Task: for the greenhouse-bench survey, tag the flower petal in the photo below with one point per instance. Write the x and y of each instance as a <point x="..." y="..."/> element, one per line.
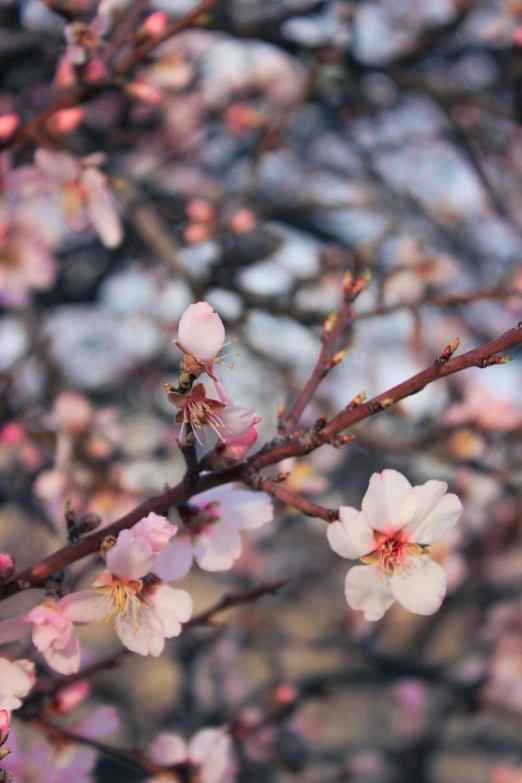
<point x="173" y="607"/>
<point x="217" y="548"/>
<point x="64" y="660"/>
<point x="102" y="208"/>
<point x="130" y="558"/>
<point x="82" y="607"/>
<point x="201" y="331"/>
<point x="168" y="749"/>
<point x="421" y="587"/>
<point x="174" y="562"/>
<point x="435" y="514"/>
<point x="351" y="536"/>
<point x="145" y="636"/>
<point x="366" y="588"/>
<point x="385" y="503"/>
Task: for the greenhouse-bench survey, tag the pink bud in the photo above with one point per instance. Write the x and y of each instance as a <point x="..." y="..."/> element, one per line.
<point x="200" y="210"/>
<point x="4" y="726"/>
<point x="7" y="567"/>
<point x="8" y="125"/>
<point x="286" y="693"/>
<point x="195" y="233"/>
<point x="155" y="24"/>
<point x="69" y="698"/>
<point x="65" y="76"/>
<point x="517" y="36"/>
<point x="95" y="72"/>
<point x="243" y="221"/>
<point x="65" y="121"/>
<point x="144" y="92"/>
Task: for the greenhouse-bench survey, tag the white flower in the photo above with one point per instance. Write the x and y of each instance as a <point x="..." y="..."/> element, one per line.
<point x="212" y="534"/>
<point x="391" y="535"/>
<point x="144" y="615"/>
<point x="16" y="680"/>
<point x="210" y="751"/>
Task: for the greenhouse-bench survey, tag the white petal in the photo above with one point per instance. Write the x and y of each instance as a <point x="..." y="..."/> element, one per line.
<point x="237" y="420"/>
<point x="436" y="512"/>
<point x="385" y="503"/>
<point x="130" y="558"/>
<point x="102" y="209"/>
<point x="146" y="636"/>
<point x="82" y="607"/>
<point x="212" y="749"/>
<point x="422" y="587"/>
<point x="201" y="331"/>
<point x="351" y="536"/>
<point x="173" y="607"/>
<point x="65" y="660"/>
<point x="246" y="510"/>
<point x="366" y="588"/>
<point x="168" y="749"/>
<point x="15" y="678"/>
<point x="174" y="561"/>
<point x="217" y="548"/>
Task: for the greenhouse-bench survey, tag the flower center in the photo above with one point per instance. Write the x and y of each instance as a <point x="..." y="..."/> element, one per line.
<point x="394" y="555"/>
<point x="122" y="602"/>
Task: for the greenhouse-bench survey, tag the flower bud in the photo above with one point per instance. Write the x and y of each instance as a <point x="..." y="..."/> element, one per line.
<point x="7" y="568"/>
<point x="69" y="698"/>
<point x="89" y="522"/>
<point x="4" y="726"/>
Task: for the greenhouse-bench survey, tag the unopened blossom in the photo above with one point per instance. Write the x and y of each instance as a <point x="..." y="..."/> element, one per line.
<point x="16" y="680"/>
<point x="212" y="531"/>
<point x="201" y="336"/>
<point x="210" y="753"/>
<point x="4" y="733"/>
<point x="52" y="633"/>
<point x="7" y="567"/>
<point x="143" y="615"/>
<point x="203" y="411"/>
<point x="391" y="536"/>
<point x="156" y="530"/>
<point x="85" y="197"/>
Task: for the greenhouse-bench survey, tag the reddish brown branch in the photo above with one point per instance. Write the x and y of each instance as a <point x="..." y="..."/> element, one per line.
<point x="445" y="300"/>
<point x="36" y="575"/>
<point x="292" y="499"/>
<point x="332" y="330"/>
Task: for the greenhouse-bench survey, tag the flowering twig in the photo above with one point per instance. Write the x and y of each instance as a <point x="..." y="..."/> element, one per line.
<point x="37" y="574"/>
<point x="27" y="131"/>
<point x="333" y="328"/>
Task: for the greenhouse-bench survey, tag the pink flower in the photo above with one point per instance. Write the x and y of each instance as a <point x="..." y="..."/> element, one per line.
<point x="144" y="615"/>
<point x="4" y="726"/>
<point x="391" y="536"/>
<point x="7" y="567"/>
<point x="156" y="530"/>
<point x="489" y="413"/>
<point x="201" y="411"/>
<point x="210" y="751"/>
<point x="85" y="196"/>
<point x="25" y="263"/>
<point x="201" y="336"/>
<point x="84" y="41"/>
<point x="16" y="680"/>
<point x="52" y="633"/>
<point x="212" y="534"/>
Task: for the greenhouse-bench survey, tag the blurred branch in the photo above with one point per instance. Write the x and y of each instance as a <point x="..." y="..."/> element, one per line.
<point x="27" y="131"/>
<point x="280" y="449"/>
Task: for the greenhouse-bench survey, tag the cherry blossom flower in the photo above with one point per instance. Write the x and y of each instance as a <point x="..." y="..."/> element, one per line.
<point x="25" y="262"/>
<point x="53" y="634"/>
<point x="210" y="752"/>
<point x="489" y="413"/>
<point x="144" y="615"/>
<point x="84" y="41"/>
<point x="391" y="535"/>
<point x="233" y="449"/>
<point x="85" y="196"/>
<point x="200" y="410"/>
<point x="16" y="680"/>
<point x="201" y="336"/>
<point x="212" y="532"/>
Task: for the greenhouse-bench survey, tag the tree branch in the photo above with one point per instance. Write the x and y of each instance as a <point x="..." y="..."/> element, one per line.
<point x="483" y="356"/>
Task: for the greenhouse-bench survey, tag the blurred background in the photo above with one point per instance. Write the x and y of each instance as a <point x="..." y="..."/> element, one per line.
<point x="251" y="162"/>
